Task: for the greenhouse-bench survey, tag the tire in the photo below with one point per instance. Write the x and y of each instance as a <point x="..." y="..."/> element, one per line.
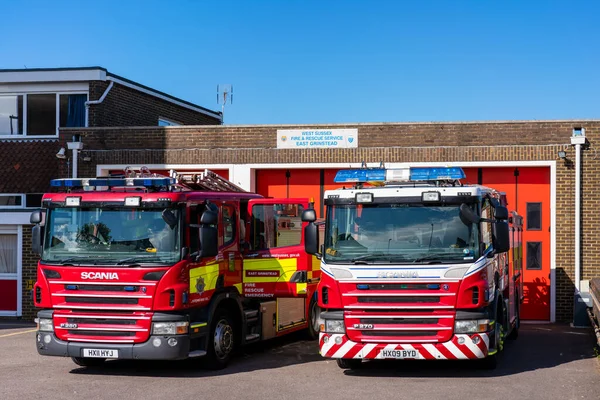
<point x="515" y="331"/>
<point x="221" y="340"/>
<point x="349" y="363"/>
<point x="88" y="362"/>
<point x="314" y="319"/>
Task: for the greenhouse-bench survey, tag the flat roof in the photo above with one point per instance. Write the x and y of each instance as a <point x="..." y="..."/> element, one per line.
<point x="85" y="74"/>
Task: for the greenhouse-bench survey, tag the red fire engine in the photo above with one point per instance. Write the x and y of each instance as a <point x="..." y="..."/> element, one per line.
<point x="416" y="265"/>
<point x="149" y="267"/>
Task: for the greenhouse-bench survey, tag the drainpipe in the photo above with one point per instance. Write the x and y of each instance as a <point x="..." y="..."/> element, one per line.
<point x="75" y="146"/>
<point x="101" y="99"/>
<point x="577" y="140"/>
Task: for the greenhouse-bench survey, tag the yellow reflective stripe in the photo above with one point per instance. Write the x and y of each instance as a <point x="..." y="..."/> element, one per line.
<point x="491" y="353"/>
<point x="239" y="287"/>
<point x="208" y="273"/>
<point x="200" y="325"/>
<point x="316" y="264"/>
<point x="301" y="288"/>
<point x="286" y="268"/>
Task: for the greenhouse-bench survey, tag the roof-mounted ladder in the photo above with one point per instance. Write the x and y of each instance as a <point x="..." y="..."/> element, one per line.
<point x="206" y="180"/>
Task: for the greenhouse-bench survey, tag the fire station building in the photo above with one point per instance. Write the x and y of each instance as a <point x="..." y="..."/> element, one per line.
<point x="549" y="171"/>
<point x="534" y="162"/>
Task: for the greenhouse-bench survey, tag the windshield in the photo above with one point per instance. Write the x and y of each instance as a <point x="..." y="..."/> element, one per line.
<point x="109" y="236"/>
<point x="399" y="233"/>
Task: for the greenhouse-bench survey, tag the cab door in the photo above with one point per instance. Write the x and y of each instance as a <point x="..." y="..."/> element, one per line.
<point x="274" y="262"/>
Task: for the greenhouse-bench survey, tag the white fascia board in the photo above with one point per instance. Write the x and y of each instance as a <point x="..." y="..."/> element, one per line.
<point x="15" y="218"/>
<point x="44" y="87"/>
<point x="68" y="75"/>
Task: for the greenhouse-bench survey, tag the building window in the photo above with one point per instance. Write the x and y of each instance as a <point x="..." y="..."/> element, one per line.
<point x="8" y="254"/>
<point x="11" y="200"/>
<point x="11" y="115"/>
<point x="534" y="255"/>
<point x="72" y="110"/>
<point x="167" y="122"/>
<point x="41" y="114"/>
<point x="534" y="216"/>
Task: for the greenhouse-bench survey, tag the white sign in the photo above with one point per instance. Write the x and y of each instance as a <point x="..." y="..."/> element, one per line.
<point x="317" y="138"/>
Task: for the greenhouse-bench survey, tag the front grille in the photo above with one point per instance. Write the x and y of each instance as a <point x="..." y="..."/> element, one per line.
<point x="399" y="321"/>
<point x="96" y="300"/>
<point x="399" y="333"/>
<point x="103" y="288"/>
<point x="100" y="333"/>
<point x="399" y="299"/>
<point x="101" y="321"/>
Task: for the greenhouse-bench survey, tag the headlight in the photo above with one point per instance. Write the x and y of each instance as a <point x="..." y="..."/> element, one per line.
<point x="472" y="326"/>
<point x="335" y="326"/>
<point x="170" y="328"/>
<point x="45" y="324"/>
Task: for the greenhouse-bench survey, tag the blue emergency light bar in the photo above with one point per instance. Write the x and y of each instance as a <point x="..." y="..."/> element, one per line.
<point x="381" y="175"/>
<point x="69" y="183"/>
<point x="360" y="175"/>
<point x="437" y="174"/>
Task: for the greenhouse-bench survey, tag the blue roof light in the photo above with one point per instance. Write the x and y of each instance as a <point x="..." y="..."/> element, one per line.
<point x="112" y="182"/>
<point x="436" y="174"/>
<point x="360" y="175"/>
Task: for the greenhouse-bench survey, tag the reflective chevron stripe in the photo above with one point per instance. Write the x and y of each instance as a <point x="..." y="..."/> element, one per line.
<point x="339" y="346"/>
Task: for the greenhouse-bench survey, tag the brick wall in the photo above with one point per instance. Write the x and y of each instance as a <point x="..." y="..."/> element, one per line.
<point x="409" y="142"/>
<point x="29" y="274"/>
<point x="124" y="106"/>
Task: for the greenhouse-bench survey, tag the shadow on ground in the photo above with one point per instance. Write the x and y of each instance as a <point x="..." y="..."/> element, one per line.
<point x="538" y="347"/>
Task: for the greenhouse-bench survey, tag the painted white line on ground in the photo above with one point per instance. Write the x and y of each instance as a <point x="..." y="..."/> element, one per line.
<point x="18" y="333"/>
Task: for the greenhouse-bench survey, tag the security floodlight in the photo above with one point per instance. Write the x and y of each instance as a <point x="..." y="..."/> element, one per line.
<point x="61" y="153"/>
<point x="562" y="154"/>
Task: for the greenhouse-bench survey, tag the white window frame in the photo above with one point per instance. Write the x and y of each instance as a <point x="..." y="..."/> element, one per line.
<point x="18" y="231"/>
<point x="170" y="122"/>
<point x="13" y="194"/>
<point x="57" y="94"/>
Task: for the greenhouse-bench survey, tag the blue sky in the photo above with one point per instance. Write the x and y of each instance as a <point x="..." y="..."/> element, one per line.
<point x="330" y="61"/>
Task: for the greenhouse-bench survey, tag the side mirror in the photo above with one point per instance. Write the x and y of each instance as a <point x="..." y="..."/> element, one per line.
<point x="502" y="237"/>
<point x="209" y="243"/>
<point x="209" y="217"/>
<point x="501" y="213"/>
<point x="311" y="237"/>
<point x="467" y="214"/>
<point x="36" y="217"/>
<point x="309" y="215"/>
<point x="36" y="239"/>
<point x="169" y="218"/>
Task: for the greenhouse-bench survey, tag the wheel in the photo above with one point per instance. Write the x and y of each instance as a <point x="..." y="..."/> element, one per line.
<point x="349" y="363"/>
<point x="314" y="319"/>
<point x="515" y="331"/>
<point x="88" y="362"/>
<point x="221" y="340"/>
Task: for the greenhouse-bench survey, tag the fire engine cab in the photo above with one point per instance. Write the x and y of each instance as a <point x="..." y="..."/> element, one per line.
<point x="416" y="265"/>
<point x="143" y="266"/>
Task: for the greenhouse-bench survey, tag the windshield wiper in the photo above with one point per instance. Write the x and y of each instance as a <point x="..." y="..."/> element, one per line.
<point x="375" y="257"/>
<point x="74" y="259"/>
<point x="439" y="256"/>
<point x="134" y="260"/>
